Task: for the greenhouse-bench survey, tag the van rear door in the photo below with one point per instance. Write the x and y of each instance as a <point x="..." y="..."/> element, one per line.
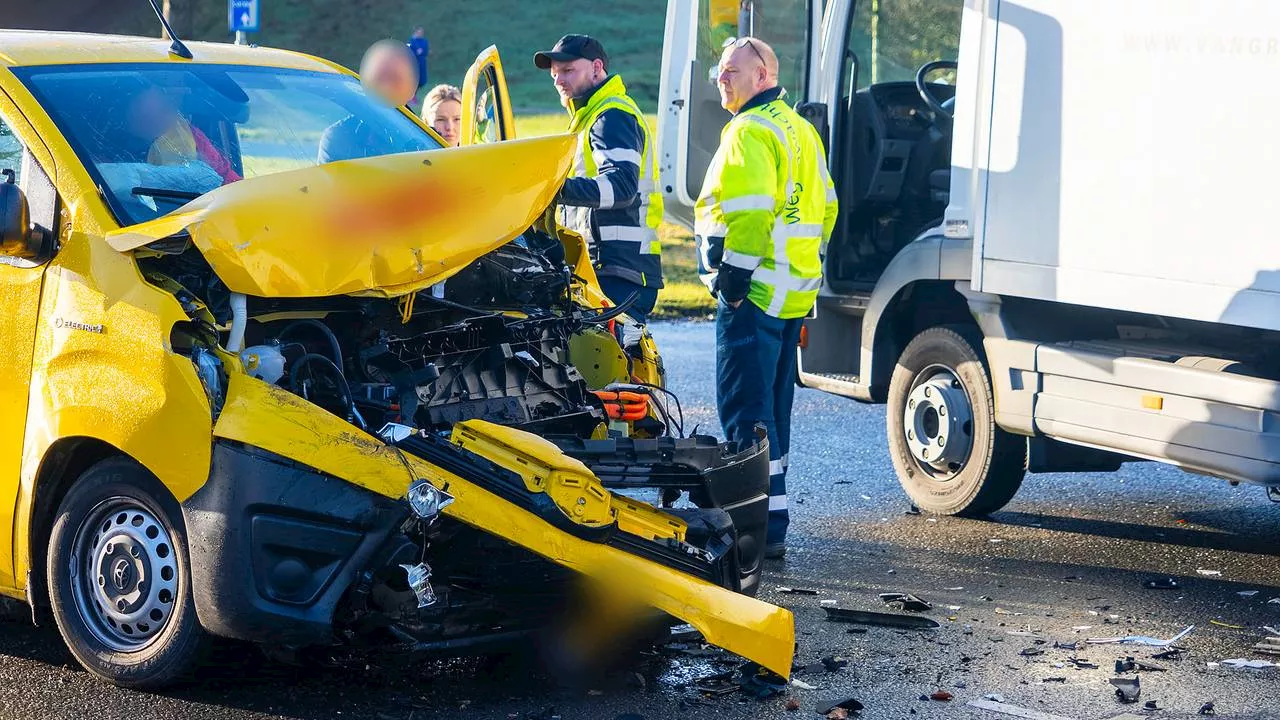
<point x="689" y="114"/>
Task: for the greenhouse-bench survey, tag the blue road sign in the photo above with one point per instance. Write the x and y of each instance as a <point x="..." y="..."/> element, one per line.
<point x="242" y="15"/>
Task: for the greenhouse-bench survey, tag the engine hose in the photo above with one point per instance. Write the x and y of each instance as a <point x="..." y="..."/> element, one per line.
<point x="239" y="319"/>
<point x="314" y="358"/>
<point x="334" y="347"/>
<point x="608" y="314"/>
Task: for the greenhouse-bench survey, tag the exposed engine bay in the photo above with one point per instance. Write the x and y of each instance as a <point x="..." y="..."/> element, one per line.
<point x="501" y="341"/>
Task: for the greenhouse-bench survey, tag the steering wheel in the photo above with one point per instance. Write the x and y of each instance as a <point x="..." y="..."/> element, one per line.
<point x="940" y="109"/>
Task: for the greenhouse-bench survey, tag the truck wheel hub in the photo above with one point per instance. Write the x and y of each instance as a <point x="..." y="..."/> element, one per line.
<point x="938" y="422"/>
<point x="124" y="575"/>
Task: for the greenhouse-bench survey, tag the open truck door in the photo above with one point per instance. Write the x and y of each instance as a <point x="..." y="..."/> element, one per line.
<point x="689" y="114"/>
<point x="486" y="105"/>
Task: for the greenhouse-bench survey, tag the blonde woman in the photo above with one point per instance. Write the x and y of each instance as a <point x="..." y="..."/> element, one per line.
<point x="442" y="110"/>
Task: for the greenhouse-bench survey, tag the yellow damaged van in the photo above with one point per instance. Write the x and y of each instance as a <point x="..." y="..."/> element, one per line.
<point x="277" y="366"/>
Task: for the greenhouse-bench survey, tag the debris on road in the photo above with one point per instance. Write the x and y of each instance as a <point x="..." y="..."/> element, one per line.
<point x="1142" y="639"/>
<point x="796" y="591"/>
<point x="1002" y="611"/>
<point x="1150" y="705"/>
<point x="1032" y="652"/>
<point x="1244" y="664"/>
<point x="1207" y="709"/>
<point x="683" y="633"/>
<point x="1127" y="689"/>
<point x="1247" y="593"/>
<point x="1013" y="710"/>
<point x="1210" y="573"/>
<point x="796" y="682"/>
<point x="717" y="684"/>
<point x="994" y="697"/>
<point x="840" y="709"/>
<point x="1170" y="654"/>
<point x="1229" y="626"/>
<point x="942" y="696"/>
<point x="792" y="704"/>
<point x="760" y="682"/>
<point x="1162" y="584"/>
<point x="1129" y="664"/>
<point x="1082" y="664"/>
<point x="1269" y="646"/>
<point x="863" y="617"/>
<point x="905" y="601"/>
<point x="834" y="664"/>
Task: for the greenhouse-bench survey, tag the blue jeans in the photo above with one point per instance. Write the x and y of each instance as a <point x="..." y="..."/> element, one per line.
<point x="755" y="383"/>
<point x="618" y="290"/>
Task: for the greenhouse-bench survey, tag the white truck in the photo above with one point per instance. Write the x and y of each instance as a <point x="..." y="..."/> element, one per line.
<point x="1061" y="258"/>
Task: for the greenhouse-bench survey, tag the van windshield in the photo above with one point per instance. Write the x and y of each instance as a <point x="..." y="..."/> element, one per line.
<point x="155" y="137"/>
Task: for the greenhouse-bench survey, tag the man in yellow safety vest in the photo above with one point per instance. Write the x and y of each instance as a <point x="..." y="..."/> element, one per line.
<point x="612" y="197"/>
<point x="763" y="219"/>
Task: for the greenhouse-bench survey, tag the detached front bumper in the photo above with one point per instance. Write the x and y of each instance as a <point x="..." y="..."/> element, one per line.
<point x="736" y="484"/>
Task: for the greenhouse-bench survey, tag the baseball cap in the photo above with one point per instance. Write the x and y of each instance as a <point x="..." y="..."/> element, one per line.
<point x="571" y="47"/>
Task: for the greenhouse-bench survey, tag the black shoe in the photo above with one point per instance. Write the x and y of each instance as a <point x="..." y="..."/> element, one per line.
<point x="775" y="551"/>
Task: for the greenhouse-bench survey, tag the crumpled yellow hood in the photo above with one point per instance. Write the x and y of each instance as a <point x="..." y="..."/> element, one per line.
<point x="381" y="226"/>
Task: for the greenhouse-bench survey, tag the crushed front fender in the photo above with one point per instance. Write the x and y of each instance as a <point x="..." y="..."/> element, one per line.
<point x="277" y="421"/>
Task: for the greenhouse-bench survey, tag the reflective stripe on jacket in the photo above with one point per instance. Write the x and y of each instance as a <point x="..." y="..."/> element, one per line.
<point x="766" y="210"/>
<point x="612" y="198"/>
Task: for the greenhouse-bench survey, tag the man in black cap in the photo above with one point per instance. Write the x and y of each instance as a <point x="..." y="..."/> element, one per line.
<point x="612" y="197"/>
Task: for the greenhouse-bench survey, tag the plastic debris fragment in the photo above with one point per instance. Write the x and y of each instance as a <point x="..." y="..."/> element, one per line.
<point x="419" y="578"/>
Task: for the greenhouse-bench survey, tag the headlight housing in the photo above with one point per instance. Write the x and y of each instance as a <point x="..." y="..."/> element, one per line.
<point x="426" y="500"/>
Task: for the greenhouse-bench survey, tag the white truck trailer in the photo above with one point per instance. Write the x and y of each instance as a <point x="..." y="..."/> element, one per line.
<point x="1061" y="257"/>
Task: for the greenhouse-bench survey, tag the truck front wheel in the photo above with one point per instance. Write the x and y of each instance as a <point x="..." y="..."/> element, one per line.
<point x="119" y="578"/>
<point x="949" y="454"/>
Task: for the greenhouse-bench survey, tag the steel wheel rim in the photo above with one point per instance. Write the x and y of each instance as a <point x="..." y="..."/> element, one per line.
<point x="124" y="575"/>
<point x="938" y="423"/>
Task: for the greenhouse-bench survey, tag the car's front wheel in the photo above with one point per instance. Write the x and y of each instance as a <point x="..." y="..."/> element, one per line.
<point x="950" y="455"/>
<point x="120" y="578"/>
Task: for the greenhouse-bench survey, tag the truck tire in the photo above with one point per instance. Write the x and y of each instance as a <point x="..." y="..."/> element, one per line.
<point x="950" y="456"/>
<point x="120" y="578"/>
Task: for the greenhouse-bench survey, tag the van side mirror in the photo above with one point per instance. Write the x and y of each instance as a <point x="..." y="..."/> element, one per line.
<point x="16" y="238"/>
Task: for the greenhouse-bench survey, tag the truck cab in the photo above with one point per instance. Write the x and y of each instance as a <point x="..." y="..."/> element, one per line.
<point x="1023" y="280"/>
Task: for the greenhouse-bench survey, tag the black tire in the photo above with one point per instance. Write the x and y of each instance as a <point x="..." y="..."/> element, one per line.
<point x="89" y="525"/>
<point x="992" y="469"/>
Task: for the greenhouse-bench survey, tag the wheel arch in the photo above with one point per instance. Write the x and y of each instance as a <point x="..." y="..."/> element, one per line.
<point x="913" y="308"/>
<point x="65" y="460"/>
<point x="916" y="291"/>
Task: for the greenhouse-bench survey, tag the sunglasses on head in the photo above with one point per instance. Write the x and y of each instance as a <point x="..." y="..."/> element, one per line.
<point x="744" y="42"/>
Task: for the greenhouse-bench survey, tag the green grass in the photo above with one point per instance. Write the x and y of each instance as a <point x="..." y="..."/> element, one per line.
<point x="684" y="295"/>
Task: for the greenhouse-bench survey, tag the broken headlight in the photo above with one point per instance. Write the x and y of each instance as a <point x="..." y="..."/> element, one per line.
<point x="427" y="500"/>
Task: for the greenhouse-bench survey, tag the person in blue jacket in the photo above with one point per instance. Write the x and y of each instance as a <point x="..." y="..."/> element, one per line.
<point x="421" y="49"/>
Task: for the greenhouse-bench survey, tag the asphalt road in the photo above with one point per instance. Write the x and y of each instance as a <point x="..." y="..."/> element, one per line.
<point x="1070" y="551"/>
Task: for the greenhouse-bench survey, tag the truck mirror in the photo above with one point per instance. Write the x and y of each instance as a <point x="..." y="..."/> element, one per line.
<point x="16" y="238"/>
